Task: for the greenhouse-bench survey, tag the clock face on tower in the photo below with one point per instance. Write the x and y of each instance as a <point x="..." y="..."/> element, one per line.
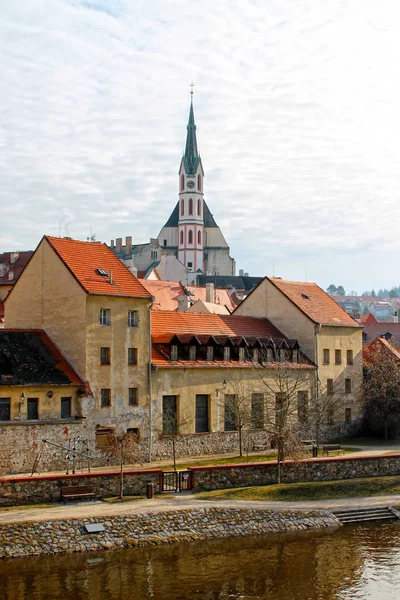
<point x="190" y="184"/>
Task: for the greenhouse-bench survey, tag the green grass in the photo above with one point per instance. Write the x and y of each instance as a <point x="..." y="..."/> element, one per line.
<point x="322" y="490"/>
<point x="26" y="506"/>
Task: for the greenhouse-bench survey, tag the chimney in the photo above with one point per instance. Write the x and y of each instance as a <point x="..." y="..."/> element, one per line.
<point x="183" y="303"/>
<point x="396" y="317"/>
<point x="210" y="293"/>
<point x="112" y="244"/>
<point x="246" y="275"/>
<point x="240" y="272"/>
<point x="118" y="246"/>
<point x="128" y="244"/>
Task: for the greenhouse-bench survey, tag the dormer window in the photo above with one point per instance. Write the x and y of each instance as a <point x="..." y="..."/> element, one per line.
<point x="210" y="353"/>
<point x="255" y="355"/>
<point x="192" y="352"/>
<point x="227" y="353"/>
<point x="241" y="355"/>
<point x="295" y="356"/>
<point x="174" y="353"/>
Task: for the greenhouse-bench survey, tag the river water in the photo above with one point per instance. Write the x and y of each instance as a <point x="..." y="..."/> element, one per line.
<point x="360" y="561"/>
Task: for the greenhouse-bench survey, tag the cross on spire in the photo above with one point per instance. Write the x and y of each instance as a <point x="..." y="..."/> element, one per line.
<point x="192" y="85"/>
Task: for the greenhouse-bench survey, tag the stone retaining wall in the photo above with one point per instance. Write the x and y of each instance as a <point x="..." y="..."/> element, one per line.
<point x="32" y="490"/>
<point x="55" y="537"/>
<point x="322" y="469"/>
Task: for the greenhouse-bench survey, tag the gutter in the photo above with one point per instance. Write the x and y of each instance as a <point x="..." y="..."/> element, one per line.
<point x="152" y="298"/>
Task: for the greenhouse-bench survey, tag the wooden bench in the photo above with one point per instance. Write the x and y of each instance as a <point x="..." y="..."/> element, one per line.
<point x="71" y="492"/>
<point x="261" y="447"/>
<point x="328" y="448"/>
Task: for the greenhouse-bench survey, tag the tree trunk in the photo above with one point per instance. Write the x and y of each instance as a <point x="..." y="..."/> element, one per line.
<point x="240" y="442"/>
<point x="174" y="451"/>
<point x="386" y="430"/>
<point x="121" y="479"/>
<point x="278" y="473"/>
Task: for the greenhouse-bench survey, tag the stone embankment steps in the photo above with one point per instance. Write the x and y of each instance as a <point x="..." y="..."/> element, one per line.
<point x="361" y="515"/>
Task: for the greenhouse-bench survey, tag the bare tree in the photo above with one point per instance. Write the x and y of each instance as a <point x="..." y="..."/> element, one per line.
<point x="173" y="424"/>
<point x="327" y="399"/>
<point x="239" y="415"/>
<point x="125" y="447"/>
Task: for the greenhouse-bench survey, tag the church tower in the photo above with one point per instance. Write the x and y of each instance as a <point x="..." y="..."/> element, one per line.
<point x="191" y="202"/>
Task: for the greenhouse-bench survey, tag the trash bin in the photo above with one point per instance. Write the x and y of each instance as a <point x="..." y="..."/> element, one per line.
<point x="315" y="451"/>
<point x="150" y="490"/>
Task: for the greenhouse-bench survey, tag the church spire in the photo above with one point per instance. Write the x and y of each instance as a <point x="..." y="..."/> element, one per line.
<point x="191" y="156"/>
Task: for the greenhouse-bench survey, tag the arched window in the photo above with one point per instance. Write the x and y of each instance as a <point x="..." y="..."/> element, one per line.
<point x="190" y="237"/>
<point x="199" y="207"/>
<point x="182" y="182"/>
<point x="182" y="206"/>
<point x="181" y="236"/>
<point x="199" y="237"/>
<point x="199" y="182"/>
<point x="190" y="206"/>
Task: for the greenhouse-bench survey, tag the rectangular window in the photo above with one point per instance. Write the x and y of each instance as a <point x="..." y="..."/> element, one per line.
<point x="134" y="431"/>
<point x="5" y="411"/>
<point x="105" y="316"/>
<point x="210" y="353"/>
<point x="104" y="356"/>
<point x="295" y="356"/>
<point x="241" y="355"/>
<point x="270" y="355"/>
<point x="33" y="409"/>
<point x="103" y="435"/>
<point x="227" y="353"/>
<point x="192" y="352"/>
<point x="174" y="353"/>
<point x="255" y="355"/>
<point x="230" y="412"/>
<point x="326" y="356"/>
<point x="347" y="415"/>
<point x="202" y="421"/>
<point x="347" y="386"/>
<point x="338" y="357"/>
<point x="133" y="318"/>
<point x="349" y="357"/>
<point x="302" y="406"/>
<point x="279" y="407"/>
<point x="132" y="356"/>
<point x="105" y="397"/>
<point x="169" y="415"/>
<point x="257" y="411"/>
<point x="65" y="408"/>
<point x="133" y="397"/>
<point x="329" y="386"/>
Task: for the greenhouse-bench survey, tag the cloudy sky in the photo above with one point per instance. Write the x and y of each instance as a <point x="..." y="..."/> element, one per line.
<point x="297" y="107"/>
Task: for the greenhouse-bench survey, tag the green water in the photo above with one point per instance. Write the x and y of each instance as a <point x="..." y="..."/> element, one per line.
<point x="360" y="562"/>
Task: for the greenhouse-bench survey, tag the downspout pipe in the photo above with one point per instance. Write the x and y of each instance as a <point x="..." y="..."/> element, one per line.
<point x="152" y="298"/>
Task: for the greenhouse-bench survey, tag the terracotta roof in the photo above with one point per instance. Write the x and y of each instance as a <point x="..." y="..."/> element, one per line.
<point x="368" y="319"/>
<point x="84" y="259"/>
<point x="314" y="302"/>
<point x="201" y="306"/>
<point x="164" y="323"/>
<point x="380" y="345"/>
<point x="374" y="330"/>
<point x="28" y="356"/>
<point x="166" y="294"/>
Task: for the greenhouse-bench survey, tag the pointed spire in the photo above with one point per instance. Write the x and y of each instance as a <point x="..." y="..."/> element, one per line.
<point x="191" y="156"/>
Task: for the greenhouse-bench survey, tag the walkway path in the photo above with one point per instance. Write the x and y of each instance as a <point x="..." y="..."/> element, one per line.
<point x="183" y="501"/>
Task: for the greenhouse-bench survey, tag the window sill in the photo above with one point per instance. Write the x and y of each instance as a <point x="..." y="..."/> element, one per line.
<point x="15" y="423"/>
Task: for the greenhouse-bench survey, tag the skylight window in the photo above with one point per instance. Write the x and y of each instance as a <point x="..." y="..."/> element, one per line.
<point x="102" y="272"/>
<point x="305" y="296"/>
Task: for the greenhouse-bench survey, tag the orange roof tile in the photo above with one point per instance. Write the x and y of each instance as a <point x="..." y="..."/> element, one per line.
<point x="163" y="323"/>
<point x="380" y="345"/>
<point x="314" y="302"/>
<point x="84" y="258"/>
<point x="368" y="319"/>
<point x="166" y="294"/>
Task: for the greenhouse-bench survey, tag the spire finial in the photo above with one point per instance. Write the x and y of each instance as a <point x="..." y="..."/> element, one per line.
<point x="192" y="85"/>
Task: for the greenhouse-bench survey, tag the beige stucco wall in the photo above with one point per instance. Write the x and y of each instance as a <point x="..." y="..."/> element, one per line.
<point x="187" y="383"/>
<point x="48" y="297"/>
<point x="48" y="408"/>
<point x="118" y="376"/>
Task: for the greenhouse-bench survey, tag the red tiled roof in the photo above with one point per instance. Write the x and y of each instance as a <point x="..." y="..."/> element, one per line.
<point x="165" y="323"/>
<point x="374" y="330"/>
<point x="380" y="345"/>
<point x="314" y="302"/>
<point x="84" y="258"/>
<point x="166" y="294"/>
<point x="26" y="344"/>
<point x="368" y="319"/>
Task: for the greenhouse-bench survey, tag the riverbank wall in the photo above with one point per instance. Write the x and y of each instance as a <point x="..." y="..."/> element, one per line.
<point x="152" y="528"/>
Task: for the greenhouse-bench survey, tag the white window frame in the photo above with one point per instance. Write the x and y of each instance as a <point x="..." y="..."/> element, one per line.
<point x="133" y="318"/>
<point x="174" y="353"/>
<point x="105" y="317"/>
<point x="227" y="353"/>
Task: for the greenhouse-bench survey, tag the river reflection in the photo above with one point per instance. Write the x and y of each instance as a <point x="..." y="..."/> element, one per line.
<point x="349" y="562"/>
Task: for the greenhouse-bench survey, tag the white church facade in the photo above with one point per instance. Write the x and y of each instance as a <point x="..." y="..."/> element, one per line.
<point x="191" y="233"/>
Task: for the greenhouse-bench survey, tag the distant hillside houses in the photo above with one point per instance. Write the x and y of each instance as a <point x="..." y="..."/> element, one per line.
<point x="384" y="309"/>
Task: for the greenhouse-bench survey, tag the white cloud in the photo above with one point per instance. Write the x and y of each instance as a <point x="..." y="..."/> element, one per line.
<point x="297" y="112"/>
